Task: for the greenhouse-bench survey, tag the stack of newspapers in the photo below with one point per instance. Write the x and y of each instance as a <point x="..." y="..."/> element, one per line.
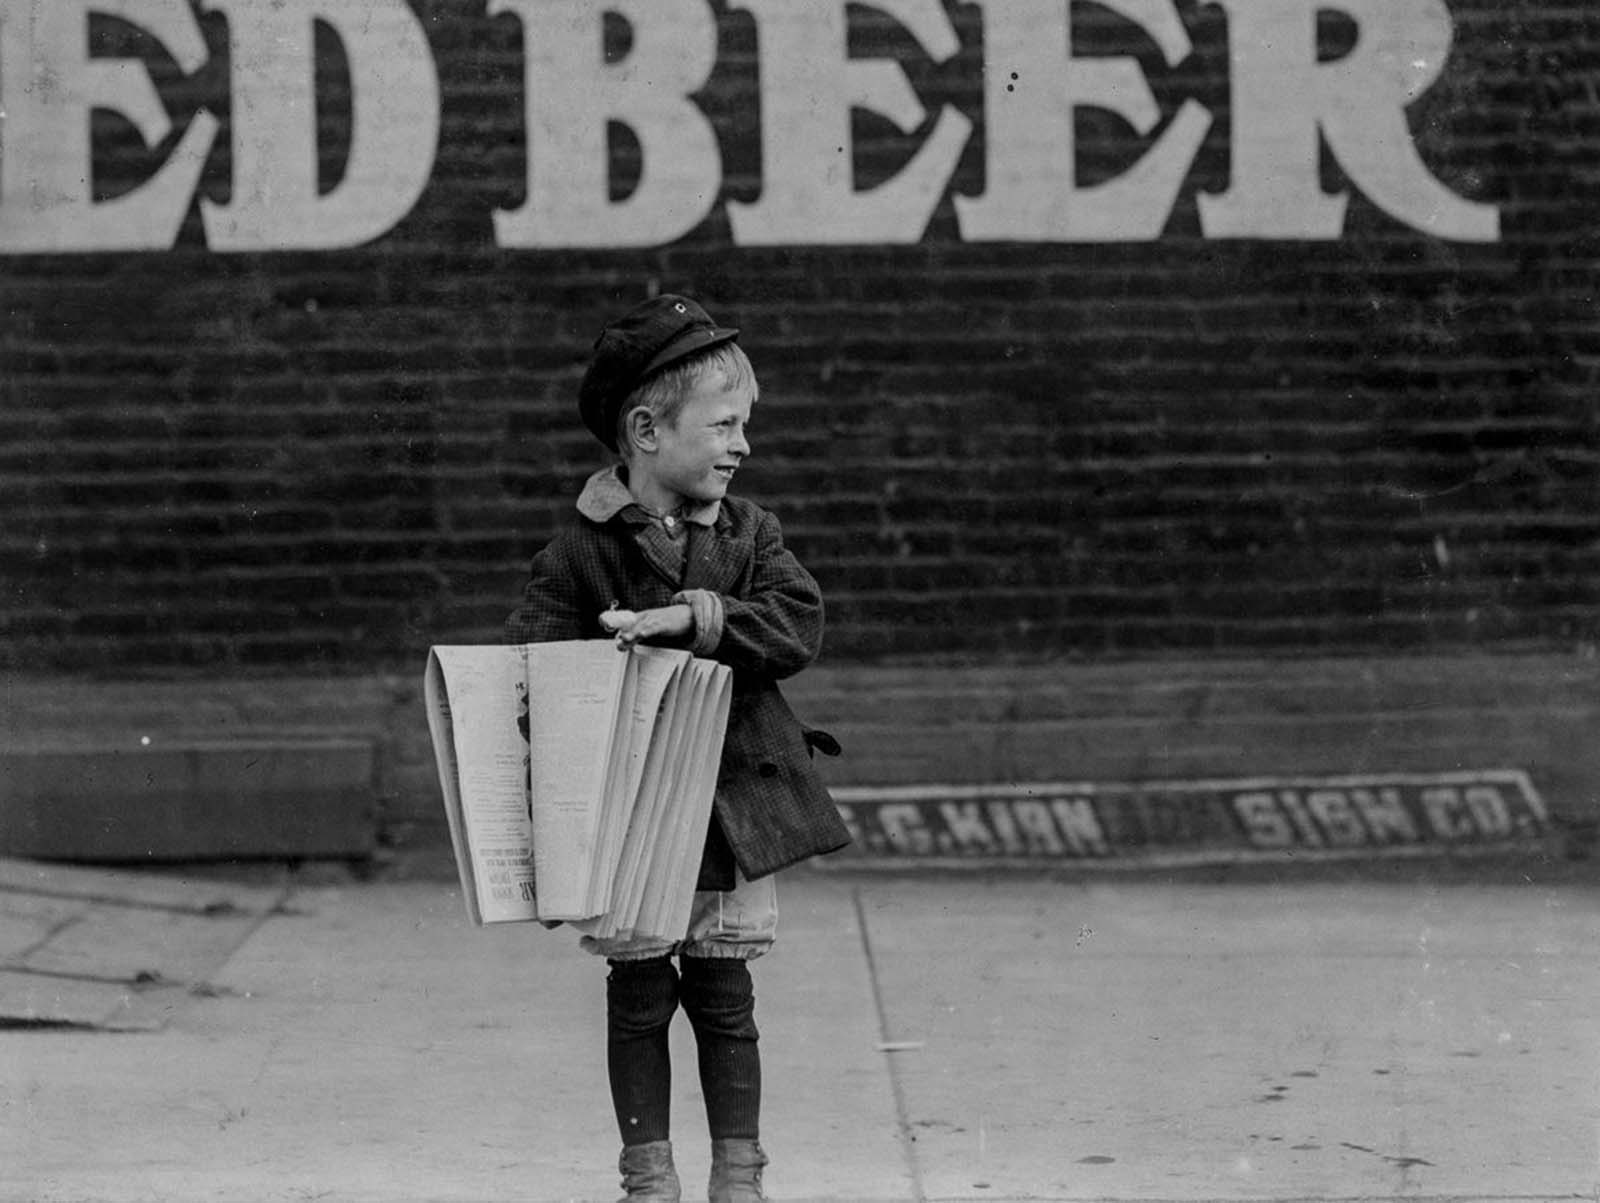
<point x="578" y="779"/>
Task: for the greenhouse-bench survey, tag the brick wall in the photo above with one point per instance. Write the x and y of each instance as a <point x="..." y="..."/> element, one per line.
<point x="327" y="460"/>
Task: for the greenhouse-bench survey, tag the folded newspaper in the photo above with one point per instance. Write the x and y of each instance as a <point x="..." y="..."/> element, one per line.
<point x="578" y="779"/>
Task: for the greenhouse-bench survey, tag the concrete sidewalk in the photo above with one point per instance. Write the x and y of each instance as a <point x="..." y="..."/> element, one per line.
<point x="953" y="1037"/>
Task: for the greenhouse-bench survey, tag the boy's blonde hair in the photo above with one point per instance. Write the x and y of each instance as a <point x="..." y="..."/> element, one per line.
<point x="665" y="392"/>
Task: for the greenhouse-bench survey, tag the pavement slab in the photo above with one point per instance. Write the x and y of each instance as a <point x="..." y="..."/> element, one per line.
<point x="1142" y="1041"/>
<point x="925" y="1038"/>
<point x="114" y="950"/>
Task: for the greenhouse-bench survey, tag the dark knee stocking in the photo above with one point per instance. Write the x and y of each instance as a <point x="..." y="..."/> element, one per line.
<point x="641" y="997"/>
<point x="720" y="1002"/>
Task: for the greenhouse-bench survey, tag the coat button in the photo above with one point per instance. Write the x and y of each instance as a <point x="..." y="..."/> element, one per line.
<point x="767" y="769"/>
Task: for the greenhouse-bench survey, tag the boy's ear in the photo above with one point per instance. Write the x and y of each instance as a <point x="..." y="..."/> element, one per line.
<point x="641" y="428"/>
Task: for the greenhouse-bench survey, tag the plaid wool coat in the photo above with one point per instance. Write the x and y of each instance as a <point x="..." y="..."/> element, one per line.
<point x="771" y="808"/>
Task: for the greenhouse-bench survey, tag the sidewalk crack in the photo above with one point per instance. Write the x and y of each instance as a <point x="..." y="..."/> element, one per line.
<point x="886" y="1037"/>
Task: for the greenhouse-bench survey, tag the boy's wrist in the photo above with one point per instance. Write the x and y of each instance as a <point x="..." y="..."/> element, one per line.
<point x="705" y="619"/>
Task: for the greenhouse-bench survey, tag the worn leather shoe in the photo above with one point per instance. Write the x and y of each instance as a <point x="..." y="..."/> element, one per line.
<point x="648" y="1173"/>
<point x="736" y="1171"/>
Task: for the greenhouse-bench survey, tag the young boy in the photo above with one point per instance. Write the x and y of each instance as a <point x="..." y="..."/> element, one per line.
<point x="660" y="553"/>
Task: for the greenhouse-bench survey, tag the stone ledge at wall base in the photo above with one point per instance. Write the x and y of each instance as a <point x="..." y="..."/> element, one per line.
<point x="1285" y="821"/>
<point x="196" y="769"/>
<point x="1196" y="762"/>
<point x="1101" y="765"/>
<point x="172" y="800"/>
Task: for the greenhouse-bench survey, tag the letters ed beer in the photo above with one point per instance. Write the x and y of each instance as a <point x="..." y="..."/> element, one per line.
<point x="1285" y="105"/>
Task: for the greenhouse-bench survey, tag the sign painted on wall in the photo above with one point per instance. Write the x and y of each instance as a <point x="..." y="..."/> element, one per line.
<point x="1172" y="822"/>
<point x="1287" y="103"/>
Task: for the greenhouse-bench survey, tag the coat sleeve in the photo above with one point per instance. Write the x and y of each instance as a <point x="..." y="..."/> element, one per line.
<point x="775" y="626"/>
<point x="551" y="608"/>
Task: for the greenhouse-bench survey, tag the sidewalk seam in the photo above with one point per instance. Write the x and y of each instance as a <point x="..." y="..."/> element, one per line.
<point x="901" y="1115"/>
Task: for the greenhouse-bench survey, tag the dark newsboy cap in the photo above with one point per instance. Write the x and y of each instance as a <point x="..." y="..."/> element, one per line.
<point x="652" y="336"/>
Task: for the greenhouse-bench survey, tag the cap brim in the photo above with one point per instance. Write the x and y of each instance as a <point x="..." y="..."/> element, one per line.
<point x="692" y="341"/>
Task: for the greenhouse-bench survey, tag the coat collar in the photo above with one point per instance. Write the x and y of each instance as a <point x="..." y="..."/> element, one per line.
<point x="712" y="560"/>
<point x="605" y="495"/>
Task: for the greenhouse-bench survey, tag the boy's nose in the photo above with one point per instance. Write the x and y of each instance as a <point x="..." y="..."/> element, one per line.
<point x="741" y="445"/>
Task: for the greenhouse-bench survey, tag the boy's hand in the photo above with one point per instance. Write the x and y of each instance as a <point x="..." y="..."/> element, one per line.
<point x="641" y="626"/>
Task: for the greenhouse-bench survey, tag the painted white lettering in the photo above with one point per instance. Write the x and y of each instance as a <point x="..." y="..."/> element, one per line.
<point x="1295" y="808"/>
<point x="1283" y="97"/>
<point x="1032" y="88"/>
<point x="903" y="828"/>
<point x="967" y="829"/>
<point x="1005" y="828"/>
<point x="1489" y="809"/>
<point x="1446" y="815"/>
<point x="572" y="94"/>
<point x="1385" y="815"/>
<point x="49" y="85"/>
<point x="808" y="87"/>
<point x="1338" y="818"/>
<point x="395" y="133"/>
<point x="1263" y="822"/>
<point x="1286" y="105"/>
<point x="1038" y="828"/>
<point x="1081" y="825"/>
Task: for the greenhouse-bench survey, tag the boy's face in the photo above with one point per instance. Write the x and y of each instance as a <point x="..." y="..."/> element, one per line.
<point x="697" y="454"/>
